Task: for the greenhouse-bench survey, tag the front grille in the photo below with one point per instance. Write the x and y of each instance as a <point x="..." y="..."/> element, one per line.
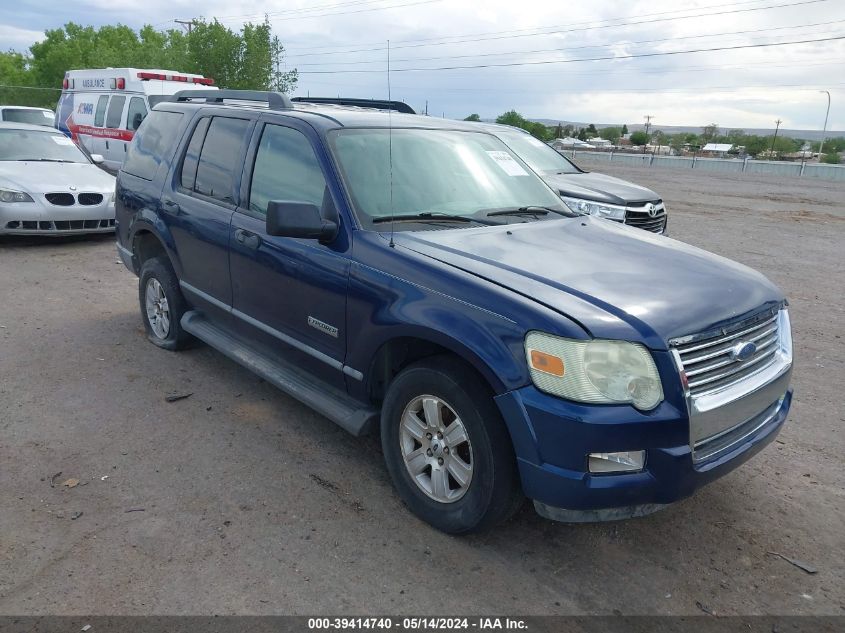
<point x="60" y="225"/>
<point x="710" y="363"/>
<point x="638" y="215"/>
<point x="89" y="199"/>
<point x="60" y="199"/>
<point x="713" y="446"/>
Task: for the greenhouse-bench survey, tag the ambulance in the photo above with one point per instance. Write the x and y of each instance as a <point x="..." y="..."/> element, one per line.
<point x="101" y="108"/>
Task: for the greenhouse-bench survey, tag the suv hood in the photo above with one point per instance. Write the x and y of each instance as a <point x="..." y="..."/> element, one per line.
<point x="599" y="187"/>
<point x="615" y="281"/>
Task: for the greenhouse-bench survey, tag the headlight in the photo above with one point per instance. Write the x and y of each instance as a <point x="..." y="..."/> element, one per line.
<point x="7" y="195"/>
<point x="595" y="371"/>
<point x="598" y="209"/>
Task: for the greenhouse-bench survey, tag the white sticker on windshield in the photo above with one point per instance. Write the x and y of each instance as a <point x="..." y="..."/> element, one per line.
<point x="48" y="115"/>
<point x="61" y="140"/>
<point x="507" y="163"/>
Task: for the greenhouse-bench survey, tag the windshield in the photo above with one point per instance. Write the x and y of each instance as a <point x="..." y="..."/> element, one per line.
<point x="539" y="156"/>
<point x="437" y="172"/>
<point x="33" y="117"/>
<point x="36" y="145"/>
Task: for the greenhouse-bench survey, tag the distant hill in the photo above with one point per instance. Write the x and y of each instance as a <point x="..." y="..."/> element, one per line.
<point x="809" y="135"/>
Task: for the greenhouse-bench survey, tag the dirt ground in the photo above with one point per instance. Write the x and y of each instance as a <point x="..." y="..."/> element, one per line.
<point x="240" y="500"/>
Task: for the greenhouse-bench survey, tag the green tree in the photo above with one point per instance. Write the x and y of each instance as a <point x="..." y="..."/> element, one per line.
<point x="473" y="117"/>
<point x="582" y="134"/>
<point x="558" y="131"/>
<point x="14" y="72"/>
<point x="639" y="138"/>
<point x="611" y="134"/>
<point x="831" y="158"/>
<point x="708" y="132"/>
<point x="591" y="130"/>
<point x="624" y="129"/>
<point x="512" y="118"/>
<point x="252" y="58"/>
<point x="538" y="130"/>
<point x="515" y="119"/>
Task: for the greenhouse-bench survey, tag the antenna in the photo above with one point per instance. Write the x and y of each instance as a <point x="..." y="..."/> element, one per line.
<point x="390" y="144"/>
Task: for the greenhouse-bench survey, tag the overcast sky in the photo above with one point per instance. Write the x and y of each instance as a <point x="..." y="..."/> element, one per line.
<point x="339" y="48"/>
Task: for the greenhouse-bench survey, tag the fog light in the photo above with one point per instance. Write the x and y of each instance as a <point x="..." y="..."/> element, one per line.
<point x="628" y="461"/>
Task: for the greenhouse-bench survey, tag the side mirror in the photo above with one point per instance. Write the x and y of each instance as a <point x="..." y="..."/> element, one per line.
<point x="299" y="219"/>
<point x="97" y="158"/>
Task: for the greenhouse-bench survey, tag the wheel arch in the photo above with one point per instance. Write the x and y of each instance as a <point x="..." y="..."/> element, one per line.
<point x="403" y="349"/>
<point x="149" y="237"/>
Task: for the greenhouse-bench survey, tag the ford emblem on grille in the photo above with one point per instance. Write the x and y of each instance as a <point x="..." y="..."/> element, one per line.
<point x="652" y="210"/>
<point x="743" y="351"/>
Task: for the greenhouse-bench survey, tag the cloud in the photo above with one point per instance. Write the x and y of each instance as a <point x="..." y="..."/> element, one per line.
<point x="12" y="37"/>
<point x="332" y="46"/>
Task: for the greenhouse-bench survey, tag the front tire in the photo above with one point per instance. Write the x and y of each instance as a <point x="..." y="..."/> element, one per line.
<point x="447" y="449"/>
<point x="162" y="305"/>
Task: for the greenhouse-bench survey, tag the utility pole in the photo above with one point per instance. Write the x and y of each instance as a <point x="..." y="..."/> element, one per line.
<point x="824" y="129"/>
<point x="774" y="138"/>
<point x="426" y="107"/>
<point x="648" y="118"/>
<point x="186" y="24"/>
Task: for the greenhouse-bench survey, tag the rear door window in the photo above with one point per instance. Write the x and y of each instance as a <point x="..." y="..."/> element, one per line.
<point x="100" y="115"/>
<point x="115" y="112"/>
<point x="220" y="158"/>
<point x="137" y="112"/>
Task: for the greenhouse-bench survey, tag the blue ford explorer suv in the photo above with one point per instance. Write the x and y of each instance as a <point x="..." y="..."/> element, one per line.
<point x="413" y="276"/>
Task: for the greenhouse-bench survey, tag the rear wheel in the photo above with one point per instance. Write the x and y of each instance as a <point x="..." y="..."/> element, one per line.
<point x="162" y="305"/>
<point x="447" y="448"/>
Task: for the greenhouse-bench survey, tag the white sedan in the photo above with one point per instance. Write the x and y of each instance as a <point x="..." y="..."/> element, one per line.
<point x="48" y="186"/>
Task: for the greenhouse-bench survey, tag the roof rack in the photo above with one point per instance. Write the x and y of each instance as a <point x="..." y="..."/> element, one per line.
<point x="378" y="104"/>
<point x="275" y="100"/>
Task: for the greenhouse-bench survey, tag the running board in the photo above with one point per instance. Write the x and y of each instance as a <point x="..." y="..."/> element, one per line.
<point x="326" y="399"/>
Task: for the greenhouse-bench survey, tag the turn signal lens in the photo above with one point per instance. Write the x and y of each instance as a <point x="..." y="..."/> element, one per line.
<point x="546" y="363"/>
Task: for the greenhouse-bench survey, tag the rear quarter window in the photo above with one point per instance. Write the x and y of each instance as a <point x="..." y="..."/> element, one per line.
<point x="154" y="142"/>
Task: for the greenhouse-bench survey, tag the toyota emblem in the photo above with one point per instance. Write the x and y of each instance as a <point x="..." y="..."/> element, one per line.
<point x="652" y="210"/>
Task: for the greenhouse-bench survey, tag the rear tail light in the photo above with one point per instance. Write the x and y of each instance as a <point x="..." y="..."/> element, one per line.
<point x="65" y="84"/>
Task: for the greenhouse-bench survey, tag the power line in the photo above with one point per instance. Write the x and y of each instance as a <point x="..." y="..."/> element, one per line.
<point x="321" y="7"/>
<point x="562" y="29"/>
<point x="443" y="38"/>
<point x="574" y="48"/>
<point x="582" y="59"/>
<point x="363" y="10"/>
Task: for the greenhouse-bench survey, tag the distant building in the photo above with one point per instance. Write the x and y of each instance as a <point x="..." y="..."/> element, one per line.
<point x="570" y="143"/>
<point x="601" y="143"/>
<point x="716" y="149"/>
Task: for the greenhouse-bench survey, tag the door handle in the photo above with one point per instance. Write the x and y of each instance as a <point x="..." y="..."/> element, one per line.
<point x="107" y="144"/>
<point x="171" y="206"/>
<point x="247" y="238"/>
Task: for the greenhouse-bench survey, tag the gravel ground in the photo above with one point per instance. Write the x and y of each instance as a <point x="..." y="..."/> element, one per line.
<point x="240" y="500"/>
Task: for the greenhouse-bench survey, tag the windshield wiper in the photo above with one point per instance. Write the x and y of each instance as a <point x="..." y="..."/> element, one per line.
<point x="431" y="216"/>
<point x="45" y="160"/>
<point x="528" y="210"/>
